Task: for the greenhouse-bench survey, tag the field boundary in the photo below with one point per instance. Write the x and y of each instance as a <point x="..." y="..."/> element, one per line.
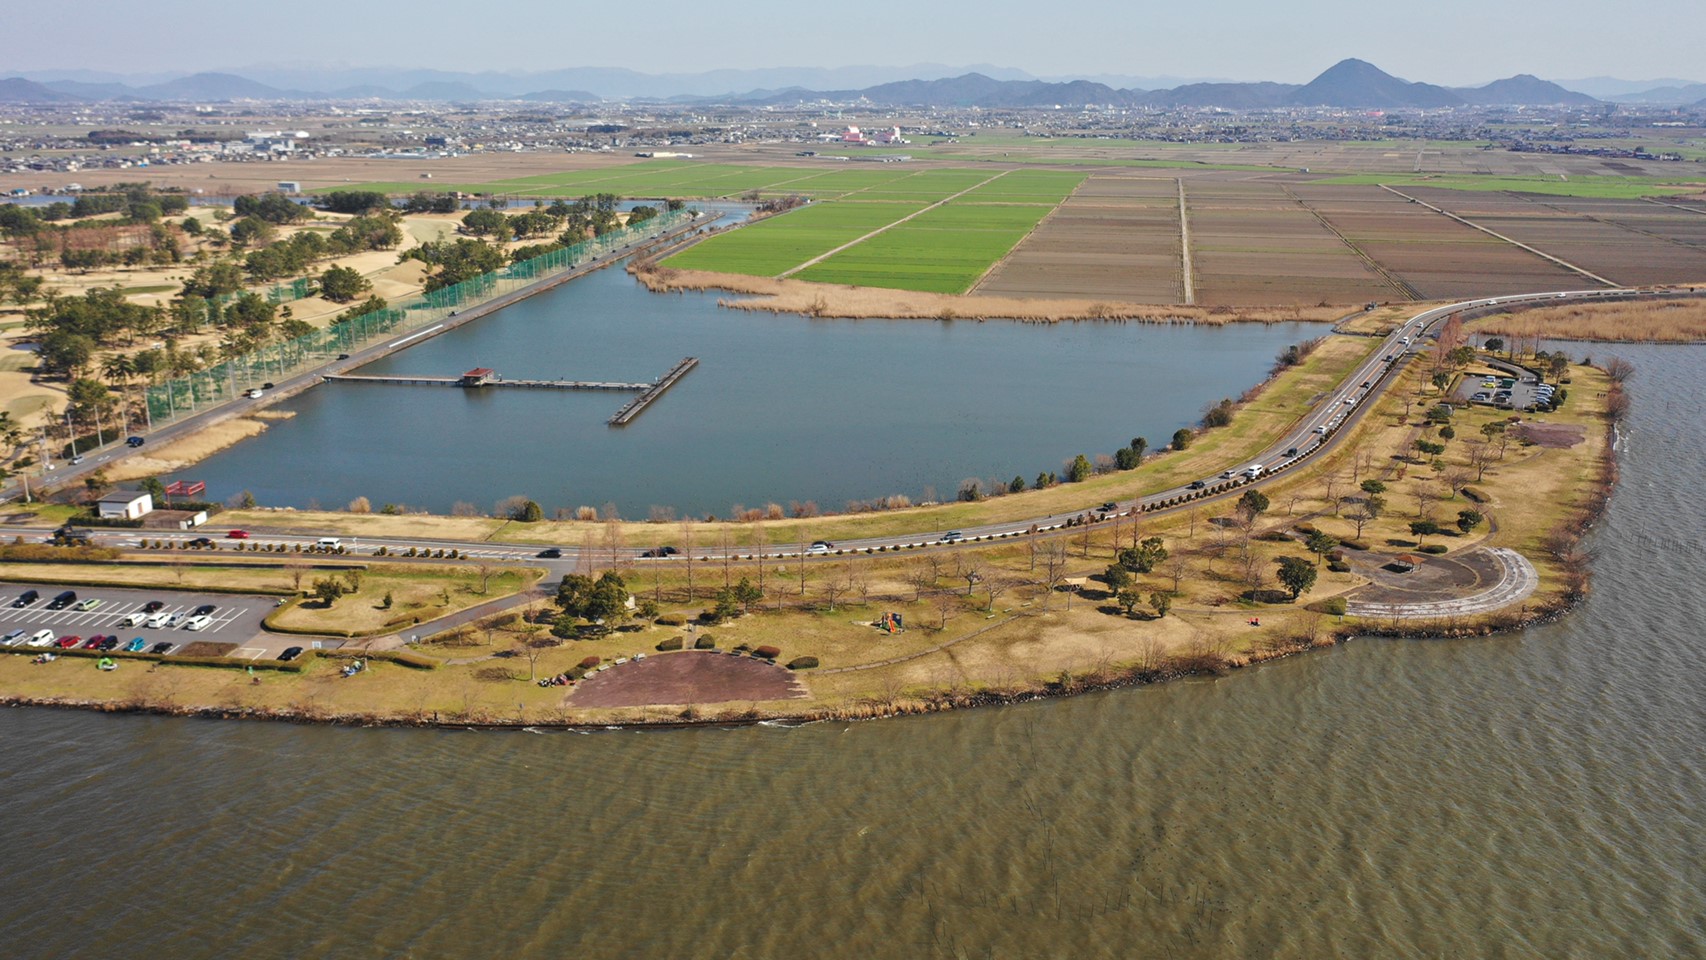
<point x="1397" y="282"/>
<point x="1499" y="236"/>
<point x="1187" y="269"/>
<point x="1028" y="234"/>
<point x="853" y="243"/>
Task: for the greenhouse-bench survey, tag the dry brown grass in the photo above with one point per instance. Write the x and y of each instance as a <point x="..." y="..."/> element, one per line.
<point x="828" y="300"/>
<point x="1658" y="321"/>
<point x="192" y="449"/>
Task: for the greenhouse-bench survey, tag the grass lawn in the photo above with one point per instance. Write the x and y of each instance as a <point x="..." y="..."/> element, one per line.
<point x="417" y="592"/>
<point x="1626" y="188"/>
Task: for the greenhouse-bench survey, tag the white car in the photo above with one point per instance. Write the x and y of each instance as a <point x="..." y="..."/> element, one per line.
<point x="198" y="623"/>
<point x="13" y="639"/>
<point x="41" y="638"/>
<point x="135" y="619"/>
<point x="159" y="620"/>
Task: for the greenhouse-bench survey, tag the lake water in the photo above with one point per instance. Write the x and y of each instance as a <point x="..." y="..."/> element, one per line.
<point x="781" y="408"/>
<point x="1539" y="795"/>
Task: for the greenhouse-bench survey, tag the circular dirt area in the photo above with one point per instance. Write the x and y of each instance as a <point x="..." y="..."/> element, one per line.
<point x="694" y="676"/>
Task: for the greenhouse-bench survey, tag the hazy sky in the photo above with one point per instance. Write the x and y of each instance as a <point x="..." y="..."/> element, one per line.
<point x="1441" y="41"/>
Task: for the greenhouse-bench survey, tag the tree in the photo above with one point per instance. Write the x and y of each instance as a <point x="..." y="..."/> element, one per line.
<point x="1373" y="486"/>
<point x="252" y="230"/>
<point x="343" y="284"/>
<point x="1619" y="370"/>
<point x="1128" y="599"/>
<point x="1468" y="520"/>
<point x="1362" y="516"/>
<point x="1322" y="544"/>
<point x="1017" y="485"/>
<point x="1160" y="603"/>
<point x="1118" y="577"/>
<point x="1181" y="438"/>
<point x="1253" y="503"/>
<point x="1297" y="575"/>
<point x="1480" y="455"/>
<point x="328" y="589"/>
<point x="1422" y="528"/>
<point x="1144" y="557"/>
<point x="1495" y="344"/>
<point x="1080" y="469"/>
<point x="746" y="594"/>
<point x="485" y="222"/>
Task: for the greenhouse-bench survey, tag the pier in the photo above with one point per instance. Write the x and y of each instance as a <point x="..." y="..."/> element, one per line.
<point x="492" y="381"/>
<point x="636" y="406"/>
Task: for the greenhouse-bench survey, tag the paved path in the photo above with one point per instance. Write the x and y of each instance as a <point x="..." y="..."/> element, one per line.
<point x="1186" y="269"/>
<point x="1517" y="579"/>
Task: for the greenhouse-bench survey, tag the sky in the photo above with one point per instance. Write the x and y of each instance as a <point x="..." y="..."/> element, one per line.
<point x="1452" y="42"/>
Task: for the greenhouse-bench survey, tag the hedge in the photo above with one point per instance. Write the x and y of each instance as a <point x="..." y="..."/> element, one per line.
<point x="292" y="666"/>
<point x="767" y="652"/>
<point x="589" y="662"/>
<point x="802" y="663"/>
<point x="672" y="620"/>
<point x="673" y="643"/>
<point x="407" y="658"/>
<point x="1434" y="548"/>
<point x="705" y="642"/>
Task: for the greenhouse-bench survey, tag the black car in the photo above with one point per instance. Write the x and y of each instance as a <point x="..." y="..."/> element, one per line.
<point x="204" y="610"/>
<point x="201" y="542"/>
<point x="163" y="647"/>
<point x="1109" y="507"/>
<point x="26" y="598"/>
<point x="135" y="441"/>
<point x="1291" y="451"/>
<point x="62" y="601"/>
<point x="343" y="356"/>
<point x="550" y="553"/>
<point x="1198" y="485"/>
<point x="266" y="386"/>
<point x="289" y="654"/>
<point x="152" y="606"/>
<point x="110" y="643"/>
<point x="660" y="552"/>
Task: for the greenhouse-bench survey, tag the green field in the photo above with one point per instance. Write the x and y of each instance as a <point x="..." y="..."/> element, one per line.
<point x="781" y="243"/>
<point x="943" y="251"/>
<point x="1617" y="188"/>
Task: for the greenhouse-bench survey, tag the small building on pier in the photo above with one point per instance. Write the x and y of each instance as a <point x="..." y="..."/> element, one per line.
<point x="479" y="377"/>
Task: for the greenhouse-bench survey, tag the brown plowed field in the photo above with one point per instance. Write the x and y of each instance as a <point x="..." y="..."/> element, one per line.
<point x="693" y="676"/>
<point x="1441" y="258"/>
<point x="1253" y="244"/>
<point x="1598" y="236"/>
<point x="1116" y="237"/>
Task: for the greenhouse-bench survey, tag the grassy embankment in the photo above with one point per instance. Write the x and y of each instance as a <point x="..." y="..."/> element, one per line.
<point x="999" y="632"/>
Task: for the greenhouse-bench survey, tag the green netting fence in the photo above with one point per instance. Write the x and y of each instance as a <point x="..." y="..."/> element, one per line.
<point x="226" y="381"/>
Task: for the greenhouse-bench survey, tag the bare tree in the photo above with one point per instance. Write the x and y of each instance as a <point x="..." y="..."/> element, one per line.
<point x="1425" y="498"/>
<point x="687" y="552"/>
<point x="996" y="584"/>
<point x="1619" y="370"/>
<point x="1176" y="568"/>
<point x="833" y="588"/>
<point x="298" y="570"/>
<point x="946" y="604"/>
<point x="1192" y="514"/>
<point x="1332" y="482"/>
<point x="1054" y="569"/>
<point x="1361" y="516"/>
<point x="1292" y="501"/>
<point x="1480" y="455"/>
<point x="920" y="579"/>
<point x="972" y="573"/>
<point x="759" y="545"/>
<point x="486" y="570"/>
<point x="1453" y="479"/>
<point x="613" y="542"/>
<point x="726" y="546"/>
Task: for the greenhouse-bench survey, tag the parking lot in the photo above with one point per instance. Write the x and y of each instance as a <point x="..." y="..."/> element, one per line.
<point x="235" y="620"/>
<point x="1523" y="393"/>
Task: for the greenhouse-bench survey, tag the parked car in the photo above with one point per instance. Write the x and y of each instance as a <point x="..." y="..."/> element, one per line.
<point x="175" y="619"/>
<point x="237" y="534"/>
<point x="94" y="642"/>
<point x="152" y="606"/>
<point x="110" y="643"/>
<point x="203" y="610"/>
<point x="136" y="646"/>
<point x="26" y="598"/>
<point x="163" y="647"/>
<point x="89" y="604"/>
<point x="136" y="619"/>
<point x="41" y="638"/>
<point x="68" y="642"/>
<point x="197" y="622"/>
<point x="62" y="601"/>
<point x="159" y="620"/>
<point x="290" y="653"/>
<point x="13" y="639"/>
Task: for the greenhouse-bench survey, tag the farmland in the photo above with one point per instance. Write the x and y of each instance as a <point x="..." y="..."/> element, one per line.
<point x="769" y="248"/>
<point x="944" y="250"/>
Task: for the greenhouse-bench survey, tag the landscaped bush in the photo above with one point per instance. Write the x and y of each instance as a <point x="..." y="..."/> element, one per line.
<point x="1435" y="548"/>
<point x="1354" y="544"/>
<point x="1339" y="566"/>
<point x="589" y="662"/>
<point x="1475" y="495"/>
<point x="672" y="620"/>
<point x="767" y="652"/>
<point x="744" y="648"/>
<point x="673" y="643"/>
<point x="802" y="663"/>
<point x="705" y="642"/>
<point x="1304" y="528"/>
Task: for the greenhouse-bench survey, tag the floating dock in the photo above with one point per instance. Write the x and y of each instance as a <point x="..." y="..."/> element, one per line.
<point x="636" y="406"/>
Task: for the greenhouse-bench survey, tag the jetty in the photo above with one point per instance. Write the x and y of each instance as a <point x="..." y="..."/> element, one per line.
<point x="637" y="406"/>
<point x="472" y="379"/>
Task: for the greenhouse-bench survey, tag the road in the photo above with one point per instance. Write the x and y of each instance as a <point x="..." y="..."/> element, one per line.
<point x="1319" y="431"/>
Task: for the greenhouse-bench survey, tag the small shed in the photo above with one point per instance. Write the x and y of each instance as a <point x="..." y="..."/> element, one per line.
<point x="125" y="505"/>
<point x="1404" y="563"/>
<point x="478" y="377"/>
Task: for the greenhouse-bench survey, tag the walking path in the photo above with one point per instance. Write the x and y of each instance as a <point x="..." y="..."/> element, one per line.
<point x="1517" y="579"/>
<point x="1186" y="269"/>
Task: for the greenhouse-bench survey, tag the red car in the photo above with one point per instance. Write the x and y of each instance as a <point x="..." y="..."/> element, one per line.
<point x="94" y="642"/>
<point x="67" y="643"/>
<point x="237" y="534"/>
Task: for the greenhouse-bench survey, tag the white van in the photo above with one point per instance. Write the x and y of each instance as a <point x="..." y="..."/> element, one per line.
<point x="41" y="638"/>
<point x="159" y="620"/>
<point x="198" y="623"/>
<point x="329" y="543"/>
<point x="1253" y="471"/>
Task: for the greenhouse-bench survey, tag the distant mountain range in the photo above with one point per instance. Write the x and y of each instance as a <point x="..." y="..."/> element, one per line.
<point x="1350" y="84"/>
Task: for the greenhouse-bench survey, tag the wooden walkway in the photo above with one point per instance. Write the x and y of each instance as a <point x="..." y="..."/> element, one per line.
<point x="457" y="382"/>
<point x="636" y="406"/>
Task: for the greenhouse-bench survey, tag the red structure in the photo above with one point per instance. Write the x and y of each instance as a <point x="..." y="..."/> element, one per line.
<point x="478" y="376"/>
<point x="185" y="488"/>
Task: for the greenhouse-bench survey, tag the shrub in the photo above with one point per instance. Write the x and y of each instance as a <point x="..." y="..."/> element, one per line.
<point x="743" y="648"/>
<point x="1305" y="528"/>
<point x="673" y="643"/>
<point x="588" y="663"/>
<point x="1354" y="544"/>
<point x="767" y="652"/>
<point x="1474" y="494"/>
<point x="802" y="663"/>
<point x="1433" y="548"/>
<point x="1339" y="566"/>
<point x="705" y="642"/>
<point x="672" y="620"/>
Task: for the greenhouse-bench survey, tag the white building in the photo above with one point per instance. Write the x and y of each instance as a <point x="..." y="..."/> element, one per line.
<point x="125" y="505"/>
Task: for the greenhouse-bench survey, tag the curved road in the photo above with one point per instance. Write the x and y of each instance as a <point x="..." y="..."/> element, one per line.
<point x="1315" y="433"/>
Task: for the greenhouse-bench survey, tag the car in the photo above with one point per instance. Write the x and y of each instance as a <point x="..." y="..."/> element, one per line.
<point x="1481" y="397"/>
<point x="163" y="647"/>
<point x="94" y="642"/>
<point x="1227" y="474"/>
<point x="68" y="642"/>
<point x="26" y="598"/>
<point x="135" y="441"/>
<point x="13" y="639"/>
<point x="266" y="386"/>
<point x="1198" y="485"/>
<point x="199" y="622"/>
<point x="77" y="459"/>
<point x="152" y="606"/>
<point x="820" y="547"/>
<point x="1291" y="451"/>
<point x="201" y="542"/>
<point x="952" y="536"/>
<point x="289" y="654"/>
<point x="175" y="619"/>
<point x="136" y="645"/>
<point x="254" y="394"/>
<point x="62" y="601"/>
<point x="1367" y="383"/>
<point x="136" y="619"/>
<point x="1321" y="431"/>
<point x="1391" y="357"/>
<point x="40" y="638"/>
<point x="159" y="620"/>
<point x="89" y="604"/>
<point x="551" y="553"/>
<point x="329" y="543"/>
<point x="658" y="552"/>
<point x="1108" y="507"/>
<point x="343" y="356"/>
<point x="236" y="534"/>
<point x="110" y="643"/>
<point x="204" y="610"/>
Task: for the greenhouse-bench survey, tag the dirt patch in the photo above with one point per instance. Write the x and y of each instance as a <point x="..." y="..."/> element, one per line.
<point x="206" y="648"/>
<point x="686" y="678"/>
<point x="182" y="453"/>
<point x="1558" y="436"/>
